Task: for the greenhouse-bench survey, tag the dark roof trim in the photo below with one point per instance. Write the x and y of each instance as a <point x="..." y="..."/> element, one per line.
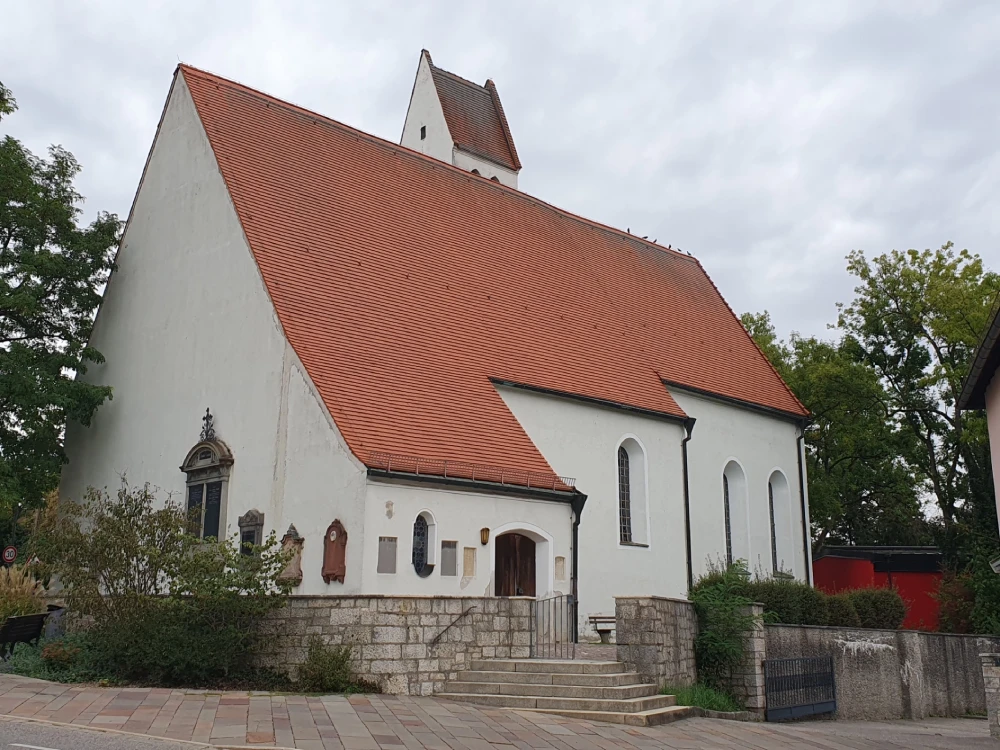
<point x="768" y="410"/>
<point x="676" y="418"/>
<point x="481" y="155"/>
<point x="984" y="365"/>
<point x="492" y="488"/>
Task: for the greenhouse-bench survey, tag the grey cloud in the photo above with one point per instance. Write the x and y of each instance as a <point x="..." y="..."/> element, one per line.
<point x="769" y="138"/>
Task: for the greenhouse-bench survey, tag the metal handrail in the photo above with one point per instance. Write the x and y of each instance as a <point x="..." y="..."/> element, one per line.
<point x="450" y="625"/>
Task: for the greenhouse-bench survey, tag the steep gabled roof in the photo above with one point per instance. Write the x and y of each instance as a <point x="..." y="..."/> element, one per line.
<point x="407" y="286"/>
<point x="475" y="117"/>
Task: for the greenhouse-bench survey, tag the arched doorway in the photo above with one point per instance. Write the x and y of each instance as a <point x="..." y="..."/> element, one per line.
<point x="515" y="565"/>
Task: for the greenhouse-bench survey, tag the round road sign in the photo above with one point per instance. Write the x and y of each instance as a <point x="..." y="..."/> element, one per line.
<point x="9" y="554"/>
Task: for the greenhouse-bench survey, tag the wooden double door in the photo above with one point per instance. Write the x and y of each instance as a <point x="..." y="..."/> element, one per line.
<point x="515" y="565"/>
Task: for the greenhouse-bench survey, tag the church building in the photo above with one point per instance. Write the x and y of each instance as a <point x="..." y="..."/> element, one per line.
<point x="388" y="348"/>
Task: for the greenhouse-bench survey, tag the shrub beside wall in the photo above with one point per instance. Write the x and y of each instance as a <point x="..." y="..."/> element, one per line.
<point x="790" y="602"/>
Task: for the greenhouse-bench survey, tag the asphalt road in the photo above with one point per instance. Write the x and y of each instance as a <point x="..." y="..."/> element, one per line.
<point x="26" y="735"/>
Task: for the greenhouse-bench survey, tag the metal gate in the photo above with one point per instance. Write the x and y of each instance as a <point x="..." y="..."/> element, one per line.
<point x="794" y="688"/>
<point x="553" y="636"/>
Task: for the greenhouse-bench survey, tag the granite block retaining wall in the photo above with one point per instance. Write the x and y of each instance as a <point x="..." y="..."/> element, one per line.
<point x="655" y="637"/>
<point x="406" y="644"/>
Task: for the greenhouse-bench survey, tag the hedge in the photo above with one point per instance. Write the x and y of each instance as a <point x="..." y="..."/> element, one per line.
<point x="792" y="602"/>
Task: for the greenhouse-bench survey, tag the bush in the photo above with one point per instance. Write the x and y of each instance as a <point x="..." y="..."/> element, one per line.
<point x="327" y="669"/>
<point x="841" y="611"/>
<point x="166" y="607"/>
<point x="883" y="609"/>
<point x="703" y="697"/>
<point x="20" y="592"/>
<point x="63" y="659"/>
<point x="789" y="602"/>
<point x="956" y="601"/>
<point x="724" y="624"/>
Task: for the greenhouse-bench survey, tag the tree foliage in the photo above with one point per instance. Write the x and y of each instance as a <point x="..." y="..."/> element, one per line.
<point x="51" y="275"/>
<point x="860" y="491"/>
<point x="917" y="317"/>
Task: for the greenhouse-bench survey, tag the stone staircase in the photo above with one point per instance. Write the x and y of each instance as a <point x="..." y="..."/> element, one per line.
<point x="593" y="690"/>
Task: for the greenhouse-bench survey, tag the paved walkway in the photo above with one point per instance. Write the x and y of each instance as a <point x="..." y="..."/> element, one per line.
<point x="376" y="722"/>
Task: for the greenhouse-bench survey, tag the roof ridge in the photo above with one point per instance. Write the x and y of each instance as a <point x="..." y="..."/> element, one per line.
<point x="400" y="149"/>
<point x="456" y="76"/>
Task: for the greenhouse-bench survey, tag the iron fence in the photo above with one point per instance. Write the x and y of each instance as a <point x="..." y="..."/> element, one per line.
<point x="794" y="688"/>
<point x="554" y="636"/>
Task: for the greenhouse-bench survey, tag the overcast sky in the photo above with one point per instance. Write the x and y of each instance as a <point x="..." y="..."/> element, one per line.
<point x="767" y="138"/>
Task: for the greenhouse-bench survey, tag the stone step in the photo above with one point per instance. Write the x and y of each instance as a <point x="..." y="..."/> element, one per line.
<point x="613" y="679"/>
<point x="625" y="706"/>
<point x="651" y="718"/>
<point x="551" y="691"/>
<point x="553" y="666"/>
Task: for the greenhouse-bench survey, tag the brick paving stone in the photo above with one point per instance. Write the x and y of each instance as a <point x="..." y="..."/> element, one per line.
<point x="374" y="722"/>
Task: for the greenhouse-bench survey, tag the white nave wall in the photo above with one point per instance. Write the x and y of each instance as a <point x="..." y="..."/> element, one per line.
<point x="186" y="324"/>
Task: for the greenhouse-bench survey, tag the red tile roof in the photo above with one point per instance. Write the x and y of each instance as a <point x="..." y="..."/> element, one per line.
<point x="405" y="285"/>
<point x="475" y="117"/>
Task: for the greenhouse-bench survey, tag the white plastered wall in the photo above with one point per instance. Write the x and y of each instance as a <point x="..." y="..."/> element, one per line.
<point x="186" y="323"/>
<point x="487" y="169"/>
<point x="761" y="444"/>
<point x="391" y="509"/>
<point x="425" y="111"/>
<point x="581" y="441"/>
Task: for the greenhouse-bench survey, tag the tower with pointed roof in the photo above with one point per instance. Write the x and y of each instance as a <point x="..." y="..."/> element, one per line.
<point x="461" y="123"/>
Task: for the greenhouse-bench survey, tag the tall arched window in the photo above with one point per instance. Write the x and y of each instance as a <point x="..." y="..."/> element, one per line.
<point x="624" y="497"/>
<point x="735" y="510"/>
<point x="774" y="535"/>
<point x="729" y="525"/>
<point x="780" y="503"/>
<point x="632" y="515"/>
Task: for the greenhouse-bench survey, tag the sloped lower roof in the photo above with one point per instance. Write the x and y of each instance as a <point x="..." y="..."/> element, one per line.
<point x="405" y="285"/>
<point x="475" y="117"/>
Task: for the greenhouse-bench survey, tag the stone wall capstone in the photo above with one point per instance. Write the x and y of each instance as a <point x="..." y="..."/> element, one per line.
<point x="393" y="637"/>
<point x="655" y="638"/>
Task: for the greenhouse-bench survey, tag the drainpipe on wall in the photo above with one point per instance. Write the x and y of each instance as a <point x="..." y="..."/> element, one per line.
<point x="689" y="428"/>
<point x="800" y="448"/>
<point x="577" y="506"/>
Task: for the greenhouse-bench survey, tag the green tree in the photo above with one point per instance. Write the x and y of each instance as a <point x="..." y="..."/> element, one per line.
<point x="51" y="275"/>
<point x="860" y="492"/>
<point x="916" y="318"/>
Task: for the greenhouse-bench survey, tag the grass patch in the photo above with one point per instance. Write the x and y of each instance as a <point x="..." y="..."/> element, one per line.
<point x="703" y="697"/>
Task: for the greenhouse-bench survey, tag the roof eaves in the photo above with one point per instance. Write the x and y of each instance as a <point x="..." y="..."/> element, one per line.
<point x="492" y="88"/>
<point x="483" y="155"/>
<point x="742" y="403"/>
<point x="984" y="365"/>
<point x="606" y="403"/>
<point x="475" y="485"/>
